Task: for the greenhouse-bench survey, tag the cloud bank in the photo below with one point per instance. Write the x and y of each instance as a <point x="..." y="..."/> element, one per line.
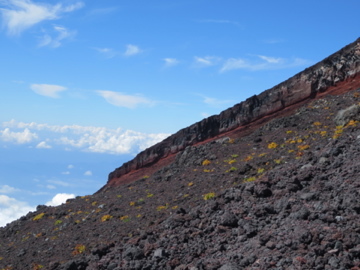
<point x="12" y="209"/>
<point x="18" y="137"/>
<point x="75" y="137"/>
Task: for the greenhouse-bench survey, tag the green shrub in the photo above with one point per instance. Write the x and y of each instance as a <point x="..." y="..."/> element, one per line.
<point x="209" y="196"/>
<point x="58" y="222"/>
<point x="39" y="216"/>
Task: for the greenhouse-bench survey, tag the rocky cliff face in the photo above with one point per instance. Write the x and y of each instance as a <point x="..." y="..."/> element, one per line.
<point x="341" y="67"/>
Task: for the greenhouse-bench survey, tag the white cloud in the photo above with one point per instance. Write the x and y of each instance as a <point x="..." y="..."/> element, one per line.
<point x="47" y="90"/>
<point x="122" y="100"/>
<point x="7" y="189"/>
<point x="61" y="34"/>
<point x="43" y="145"/>
<point x="19" y="15"/>
<point x="271" y="60"/>
<point x="12" y="209"/>
<point x="88" y="173"/>
<point x="70" y="166"/>
<point x="88" y="138"/>
<point x="60" y="198"/>
<point x="170" y="62"/>
<point x="50" y="187"/>
<point x="115" y="141"/>
<point x="66" y="173"/>
<point x="132" y="50"/>
<point x="20" y="137"/>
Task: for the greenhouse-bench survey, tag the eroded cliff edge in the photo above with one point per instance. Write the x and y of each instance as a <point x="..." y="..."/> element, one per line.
<point x="340" y="67"/>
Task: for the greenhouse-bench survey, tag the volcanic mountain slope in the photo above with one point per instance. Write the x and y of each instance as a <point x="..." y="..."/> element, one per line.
<point x="278" y="191"/>
<point x="337" y="72"/>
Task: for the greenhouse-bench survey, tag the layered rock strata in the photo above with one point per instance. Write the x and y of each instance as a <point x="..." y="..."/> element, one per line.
<point x="342" y="66"/>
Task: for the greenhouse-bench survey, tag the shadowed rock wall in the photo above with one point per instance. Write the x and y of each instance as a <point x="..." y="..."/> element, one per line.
<point x="339" y="67"/>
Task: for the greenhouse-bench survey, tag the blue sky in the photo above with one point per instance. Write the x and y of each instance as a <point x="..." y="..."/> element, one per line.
<point x="85" y="85"/>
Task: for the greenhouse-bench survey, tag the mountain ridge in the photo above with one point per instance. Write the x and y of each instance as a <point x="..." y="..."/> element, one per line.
<point x="342" y="67"/>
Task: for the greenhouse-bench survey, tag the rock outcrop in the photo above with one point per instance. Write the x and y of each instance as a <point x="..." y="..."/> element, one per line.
<point x="341" y="67"/>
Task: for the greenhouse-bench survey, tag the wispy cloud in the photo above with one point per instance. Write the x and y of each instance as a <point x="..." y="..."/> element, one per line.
<point x="47" y="90"/>
<point x="262" y="62"/>
<point x="252" y="63"/>
<point x="88" y="173"/>
<point x="235" y="63"/>
<point x="206" y="61"/>
<point x="61" y="34"/>
<point x="123" y="100"/>
<point x="271" y="60"/>
<point x="73" y="7"/>
<point x="20" y="15"/>
<point x="170" y="62"/>
<point x="83" y="138"/>
<point x="132" y="50"/>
